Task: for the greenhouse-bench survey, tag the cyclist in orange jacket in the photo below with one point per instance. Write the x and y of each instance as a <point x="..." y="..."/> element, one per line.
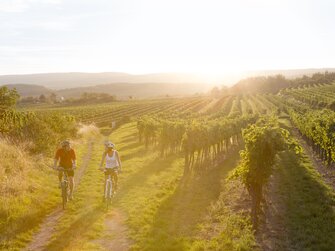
<point x="65" y="157"/>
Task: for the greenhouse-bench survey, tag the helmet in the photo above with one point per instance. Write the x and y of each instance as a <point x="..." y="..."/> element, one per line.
<point x="110" y="145"/>
<point x="65" y="143"/>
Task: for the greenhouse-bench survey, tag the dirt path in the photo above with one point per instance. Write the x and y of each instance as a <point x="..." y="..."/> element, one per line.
<point x="272" y="234"/>
<point x="115" y="235"/>
<point x="43" y="236"/>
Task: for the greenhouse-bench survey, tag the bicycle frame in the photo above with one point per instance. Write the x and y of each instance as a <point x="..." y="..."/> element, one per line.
<point x="64" y="186"/>
<point x="109" y="189"/>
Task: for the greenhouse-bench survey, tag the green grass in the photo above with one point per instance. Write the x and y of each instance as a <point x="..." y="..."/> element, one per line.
<point x="309" y="204"/>
<point x="26" y="196"/>
<point x="75" y="227"/>
<point x="35" y="195"/>
<point x="225" y="230"/>
<point x="163" y="209"/>
<point x="146" y="182"/>
<point x="166" y="211"/>
<point x="227" y="225"/>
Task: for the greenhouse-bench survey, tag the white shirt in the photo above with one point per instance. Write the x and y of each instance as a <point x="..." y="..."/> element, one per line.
<point x="111" y="162"/>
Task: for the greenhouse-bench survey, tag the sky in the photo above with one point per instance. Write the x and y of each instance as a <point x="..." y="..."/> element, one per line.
<point x="147" y="36"/>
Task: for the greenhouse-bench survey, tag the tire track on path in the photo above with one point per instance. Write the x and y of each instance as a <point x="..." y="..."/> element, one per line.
<point x="115" y="235"/>
<point x="47" y="228"/>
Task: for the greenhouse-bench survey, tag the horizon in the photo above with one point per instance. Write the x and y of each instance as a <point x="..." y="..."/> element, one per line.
<point x="172" y="72"/>
<point x="69" y="80"/>
<point x="212" y="38"/>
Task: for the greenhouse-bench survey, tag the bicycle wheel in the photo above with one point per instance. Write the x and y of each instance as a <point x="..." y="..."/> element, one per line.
<point x="108" y="194"/>
<point x="111" y="189"/>
<point x="64" y="194"/>
<point x="106" y="190"/>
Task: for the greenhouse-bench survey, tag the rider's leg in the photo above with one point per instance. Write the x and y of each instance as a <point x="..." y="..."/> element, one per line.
<point x="60" y="176"/>
<point x="115" y="180"/>
<point x="106" y="178"/>
<point x="71" y="182"/>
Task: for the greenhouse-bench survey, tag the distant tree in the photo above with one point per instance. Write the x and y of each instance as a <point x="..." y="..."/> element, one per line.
<point x="8" y="97"/>
<point x="92" y="97"/>
<point x="42" y="98"/>
<point x="53" y="97"/>
<point x="262" y="84"/>
<point x="84" y="95"/>
<point x="28" y="99"/>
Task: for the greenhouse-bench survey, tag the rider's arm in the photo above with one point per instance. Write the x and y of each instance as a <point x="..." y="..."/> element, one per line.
<point x="118" y="160"/>
<point x="102" y="159"/>
<point x="57" y="155"/>
<point x="73" y="159"/>
<point x="74" y="163"/>
<point x="55" y="163"/>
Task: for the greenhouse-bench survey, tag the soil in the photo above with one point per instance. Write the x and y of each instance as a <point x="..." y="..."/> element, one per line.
<point x="47" y="228"/>
<point x="115" y="235"/>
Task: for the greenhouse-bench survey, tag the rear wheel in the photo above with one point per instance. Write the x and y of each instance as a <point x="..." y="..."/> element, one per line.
<point x="64" y="194"/>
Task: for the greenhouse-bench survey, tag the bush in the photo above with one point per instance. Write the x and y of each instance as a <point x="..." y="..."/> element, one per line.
<point x="46" y="131"/>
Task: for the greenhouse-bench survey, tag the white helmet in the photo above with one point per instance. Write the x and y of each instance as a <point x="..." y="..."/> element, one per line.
<point x="110" y="145"/>
<point x="65" y="143"/>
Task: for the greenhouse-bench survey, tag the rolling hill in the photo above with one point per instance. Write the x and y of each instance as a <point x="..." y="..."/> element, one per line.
<point x="76" y="79"/>
<point x="121" y="90"/>
<point x="26" y="90"/>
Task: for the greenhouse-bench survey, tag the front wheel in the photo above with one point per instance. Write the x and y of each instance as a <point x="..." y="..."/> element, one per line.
<point x="109" y="194"/>
<point x="64" y="194"/>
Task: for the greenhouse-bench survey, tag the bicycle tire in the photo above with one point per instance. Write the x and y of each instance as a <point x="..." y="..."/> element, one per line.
<point x="108" y="198"/>
<point x="64" y="195"/>
<point x="111" y="192"/>
<point x="106" y="191"/>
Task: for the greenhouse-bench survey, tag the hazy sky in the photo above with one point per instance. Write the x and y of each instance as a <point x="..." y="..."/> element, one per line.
<point x="142" y="36"/>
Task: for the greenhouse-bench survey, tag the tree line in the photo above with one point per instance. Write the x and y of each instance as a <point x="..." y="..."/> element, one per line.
<point x="274" y="84"/>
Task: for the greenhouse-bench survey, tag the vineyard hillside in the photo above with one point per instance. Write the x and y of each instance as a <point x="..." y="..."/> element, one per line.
<point x="239" y="170"/>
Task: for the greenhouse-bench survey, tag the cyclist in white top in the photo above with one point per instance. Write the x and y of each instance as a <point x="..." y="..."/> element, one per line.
<point x="112" y="164"/>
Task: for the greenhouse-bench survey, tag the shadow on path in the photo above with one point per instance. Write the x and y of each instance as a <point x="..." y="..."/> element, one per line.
<point x="77" y="228"/>
<point x="138" y="179"/>
<point x="305" y="208"/>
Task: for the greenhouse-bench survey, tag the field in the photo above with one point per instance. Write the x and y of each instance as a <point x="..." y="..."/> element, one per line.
<point x="182" y="185"/>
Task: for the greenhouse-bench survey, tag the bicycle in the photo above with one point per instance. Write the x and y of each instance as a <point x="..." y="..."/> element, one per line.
<point x="109" y="187"/>
<point x="65" y="187"/>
